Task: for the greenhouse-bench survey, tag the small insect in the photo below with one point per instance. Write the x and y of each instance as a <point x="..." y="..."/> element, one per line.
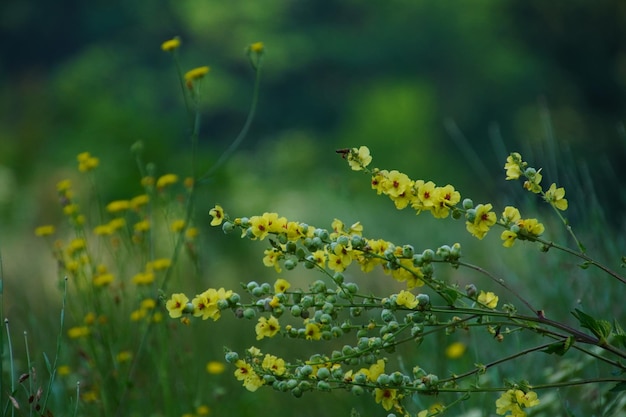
<point x="343" y="152"/>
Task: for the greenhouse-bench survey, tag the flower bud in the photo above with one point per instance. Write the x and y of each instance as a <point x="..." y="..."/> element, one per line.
<point x="468" y="203"/>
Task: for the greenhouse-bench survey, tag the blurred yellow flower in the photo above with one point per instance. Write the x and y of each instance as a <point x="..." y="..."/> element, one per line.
<point x="215" y="367"/>
<point x="171" y="44"/>
<point x="142" y="226"/>
<point x="117" y="206"/>
<point x="143" y="278"/>
<point x="177" y="225"/>
<point x="86" y="162"/>
<point x="77" y="332"/>
<point x="124" y="356"/>
<point x="46" y="230"/>
<point x="455" y="350"/>
<point x="139" y="201"/>
<point x="196" y="73"/>
<point x="257" y="47"/>
<point x="166" y="180"/>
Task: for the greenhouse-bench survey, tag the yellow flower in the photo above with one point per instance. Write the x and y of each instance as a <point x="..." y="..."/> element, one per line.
<point x="64" y="370"/>
<point x="147" y="304"/>
<point x="257" y="47"/>
<point x="386" y="397"/>
<point x="312" y="331"/>
<point x="117" y="206"/>
<point x="166" y="180"/>
<point x="160" y="264"/>
<point x="139" y="201"/>
<point x="196" y="74"/>
<point x="64" y="185"/>
<point x="274" y="364"/>
<point x="488" y="299"/>
<point x="103" y="279"/>
<point x="215" y="367"/>
<point x="78" y="332"/>
<point x="514" y="400"/>
<point x="171" y="44"/>
<point x="508" y="237"/>
<point x="510" y="215"/>
<point x="407" y="299"/>
<point x="124" y="356"/>
<point x="191" y="233"/>
<point x="532" y="227"/>
<point x="203" y="410"/>
<point x="512" y="166"/>
<point x="46" y="230"/>
<point x="246" y="374"/>
<point x="483" y="219"/>
<point x="142" y="226"/>
<point x="86" y="162"/>
<point x="359" y="158"/>
<point x="455" y="350"/>
<point x="556" y="197"/>
<point x="176" y="305"/>
<point x="266" y="327"/>
<point x="218" y="215"/>
<point x="143" y="278"/>
<point x="177" y="226"/>
<point x="281" y="285"/>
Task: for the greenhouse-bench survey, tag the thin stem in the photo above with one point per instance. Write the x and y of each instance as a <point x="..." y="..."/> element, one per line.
<point x="584" y="257"/>
<point x="500" y="282"/>
<point x="242" y="134"/>
<point x="58" y="348"/>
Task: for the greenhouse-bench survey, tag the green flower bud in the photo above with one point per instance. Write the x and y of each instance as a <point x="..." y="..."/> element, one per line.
<point x="231" y="357"/>
<point x="251" y="285"/>
<point x="360" y="378"/>
<point x="418" y="260"/>
<point x="245" y="222"/>
<point x="357" y="242"/>
<point x="249" y="313"/>
<point x="383" y="379"/>
<point x="347" y="350"/>
<point x="423" y="299"/>
<point x="266" y="288"/>
<point x="387" y="315"/>
<point x="325" y="318"/>
<point x="338" y="278"/>
<point x="290" y="247"/>
<point x="357" y="390"/>
<point x="361" y="333"/>
<point x="323" y="373"/>
<point x="228" y="227"/>
<point x="296" y="310"/>
<point x="443" y="252"/>
<point x="328" y="308"/>
<point x="307" y="301"/>
<point x="304" y="385"/>
<point x="468" y="203"/>
<point x="323" y="386"/>
<point x="282" y="238"/>
<point x="290" y="264"/>
<point x="397" y="378"/>
<point x="296" y="392"/>
<point x="407" y="251"/>
<point x="257" y="292"/>
<point x="306" y="370"/>
<point x="470" y="215"/>
<point x="234" y="298"/>
<point x="456" y="213"/>
<point x="352" y="287"/>
<point x="428" y="255"/>
<point x="343" y="240"/>
<point x="300" y="254"/>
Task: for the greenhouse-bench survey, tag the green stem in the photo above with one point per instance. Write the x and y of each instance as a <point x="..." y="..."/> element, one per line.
<point x="242" y="134"/>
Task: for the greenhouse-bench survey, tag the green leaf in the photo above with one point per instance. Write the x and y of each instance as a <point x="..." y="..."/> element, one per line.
<point x="47" y="361"/>
<point x="560" y="347"/>
<point x="600" y="328"/>
<point x="585" y="265"/>
<point x="619" y="387"/>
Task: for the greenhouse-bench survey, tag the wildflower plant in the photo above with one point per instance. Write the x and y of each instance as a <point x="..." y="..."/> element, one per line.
<point x="120" y="258"/>
<point x="363" y="331"/>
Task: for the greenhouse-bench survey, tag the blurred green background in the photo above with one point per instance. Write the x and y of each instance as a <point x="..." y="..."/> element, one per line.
<point x="440" y="90"/>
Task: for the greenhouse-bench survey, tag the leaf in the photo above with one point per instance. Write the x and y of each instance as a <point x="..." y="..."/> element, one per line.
<point x="560" y="347"/>
<point x="600" y="328"/>
<point x="619" y="387"/>
<point x="585" y="265"/>
<point x="47" y="361"/>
